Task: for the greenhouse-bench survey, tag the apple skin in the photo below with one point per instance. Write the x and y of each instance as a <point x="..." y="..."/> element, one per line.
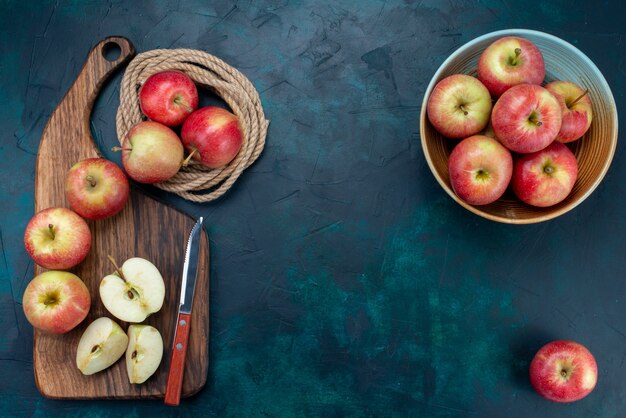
<point x="563" y="371"/>
<point x="215" y="133"/>
<point x="500" y="68"/>
<point x="56" y="301"/>
<point x="459" y="106"/>
<point x="480" y="169"/>
<point x="96" y="188"/>
<point x="168" y="97"/>
<point x="546" y="177"/>
<point x="57" y="238"/>
<point x="526" y="118"/>
<point x="577" y="117"/>
<point x="152" y="153"/>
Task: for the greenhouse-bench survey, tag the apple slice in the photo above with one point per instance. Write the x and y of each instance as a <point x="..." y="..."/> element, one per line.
<point x="134" y="291"/>
<point x="101" y="345"/>
<point x="144" y="352"/>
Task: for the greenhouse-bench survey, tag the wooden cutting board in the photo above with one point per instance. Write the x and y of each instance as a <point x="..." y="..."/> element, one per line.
<point x="145" y="228"/>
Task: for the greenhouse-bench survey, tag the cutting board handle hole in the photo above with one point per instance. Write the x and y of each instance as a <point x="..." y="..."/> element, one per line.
<point x="111" y="51"/>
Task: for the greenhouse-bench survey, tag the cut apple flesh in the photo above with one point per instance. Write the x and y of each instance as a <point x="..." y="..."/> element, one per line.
<point x="144" y="353"/>
<point x="101" y="345"/>
<point x="138" y="293"/>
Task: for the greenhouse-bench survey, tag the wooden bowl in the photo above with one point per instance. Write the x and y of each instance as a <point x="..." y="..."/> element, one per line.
<point x="594" y="151"/>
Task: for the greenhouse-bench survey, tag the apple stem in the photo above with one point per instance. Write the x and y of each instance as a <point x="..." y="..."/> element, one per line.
<point x="91" y="180"/>
<point x="116" y="149"/>
<point x="181" y="102"/>
<point x="51" y="230"/>
<point x="578" y="98"/>
<point x="515" y="60"/>
<point x="117" y="268"/>
<point x="186" y="161"/>
<point x="465" y="112"/>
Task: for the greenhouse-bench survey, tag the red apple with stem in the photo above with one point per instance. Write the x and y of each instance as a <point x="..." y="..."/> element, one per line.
<point x="510" y="61"/>
<point x="151" y="153"/>
<point x="480" y="169"/>
<point x="56" y="301"/>
<point x="168" y="97"/>
<point x="57" y="238"/>
<point x="563" y="371"/>
<point x="459" y="106"/>
<point x="212" y="135"/>
<point x="96" y="188"/>
<point x="576" y="109"/>
<point x="526" y="118"/>
<point x="545" y="178"/>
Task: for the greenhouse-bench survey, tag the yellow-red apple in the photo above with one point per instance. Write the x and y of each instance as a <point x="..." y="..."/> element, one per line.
<point x="576" y="109"/>
<point x="168" y="97"/>
<point x="544" y="178"/>
<point x="459" y="106"/>
<point x="57" y="238"/>
<point x="480" y="169"/>
<point x="56" y="301"/>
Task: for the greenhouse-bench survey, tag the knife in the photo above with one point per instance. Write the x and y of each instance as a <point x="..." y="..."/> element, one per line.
<point x="183" y="320"/>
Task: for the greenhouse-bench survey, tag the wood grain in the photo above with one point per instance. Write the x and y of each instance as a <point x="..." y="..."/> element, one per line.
<point x="145" y="228"/>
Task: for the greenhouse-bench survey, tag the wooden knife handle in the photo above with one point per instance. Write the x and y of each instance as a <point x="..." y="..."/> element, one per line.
<point x="177" y="362"/>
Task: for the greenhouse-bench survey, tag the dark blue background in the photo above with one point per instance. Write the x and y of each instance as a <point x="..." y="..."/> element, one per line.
<point x="345" y="282"/>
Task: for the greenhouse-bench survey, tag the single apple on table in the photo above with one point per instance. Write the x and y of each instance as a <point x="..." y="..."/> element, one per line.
<point x="480" y="169"/>
<point x="526" y="118"/>
<point x="168" y="97"/>
<point x="212" y="135"/>
<point x="459" y="106"/>
<point x="545" y="178"/>
<point x="510" y="61"/>
<point x="151" y="152"/>
<point x="57" y="238"/>
<point x="144" y="352"/>
<point x="133" y="291"/>
<point x="56" y="301"/>
<point x="101" y="345"/>
<point x="96" y="188"/>
<point x="576" y="109"/>
<point x="563" y="371"/>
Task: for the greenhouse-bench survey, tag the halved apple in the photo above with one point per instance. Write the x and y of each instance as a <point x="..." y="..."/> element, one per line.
<point x="101" y="345"/>
<point x="144" y="352"/>
<point x="134" y="291"/>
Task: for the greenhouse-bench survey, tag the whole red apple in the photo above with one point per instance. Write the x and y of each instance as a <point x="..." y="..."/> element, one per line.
<point x="510" y="61"/>
<point x="56" y="301"/>
<point x="480" y="169"/>
<point x="576" y="109"/>
<point x="151" y="152"/>
<point x="563" y="371"/>
<point x="212" y="135"/>
<point x="459" y="106"/>
<point x="526" y="118"/>
<point x="96" y="188"/>
<point x="57" y="238"/>
<point x="544" y="178"/>
<point x="168" y="97"/>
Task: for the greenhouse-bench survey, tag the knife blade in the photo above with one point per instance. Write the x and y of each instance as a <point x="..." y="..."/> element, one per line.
<point x="183" y="320"/>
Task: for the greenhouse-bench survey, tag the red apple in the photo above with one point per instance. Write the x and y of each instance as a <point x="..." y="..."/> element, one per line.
<point x="576" y="109"/>
<point x="546" y="177"/>
<point x="212" y="135"/>
<point x="96" y="188"/>
<point x="480" y="169"/>
<point x="168" y="97"/>
<point x="151" y="152"/>
<point x="510" y="61"/>
<point x="526" y="118"/>
<point x="57" y="238"/>
<point x="459" y="106"/>
<point x="563" y="371"/>
<point x="56" y="301"/>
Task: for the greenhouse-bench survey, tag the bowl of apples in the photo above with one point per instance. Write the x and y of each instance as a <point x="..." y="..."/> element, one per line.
<point x="518" y="126"/>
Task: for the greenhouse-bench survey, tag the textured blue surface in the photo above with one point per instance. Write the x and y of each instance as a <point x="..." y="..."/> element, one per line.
<point x="345" y="282"/>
